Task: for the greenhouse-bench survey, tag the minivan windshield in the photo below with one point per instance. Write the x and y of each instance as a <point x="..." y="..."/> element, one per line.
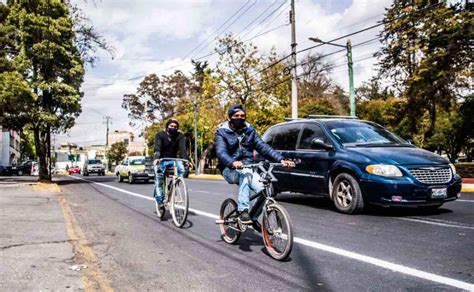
<point x="363" y="134"/>
<point x="137" y="161"/>
<point x="94" y="161"/>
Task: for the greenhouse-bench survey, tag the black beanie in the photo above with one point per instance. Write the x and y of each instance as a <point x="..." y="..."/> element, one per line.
<point x="172" y="121"/>
<point x="234" y="109"/>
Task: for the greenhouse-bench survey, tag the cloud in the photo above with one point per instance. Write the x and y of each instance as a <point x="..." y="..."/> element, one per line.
<point x="155" y="36"/>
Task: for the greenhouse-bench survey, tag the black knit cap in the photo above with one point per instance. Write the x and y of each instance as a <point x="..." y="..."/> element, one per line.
<point x="234" y="109"/>
<point x="172" y="121"/>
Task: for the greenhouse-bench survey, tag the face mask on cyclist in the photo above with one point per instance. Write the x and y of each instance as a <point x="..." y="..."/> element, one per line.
<point x="237" y="123"/>
<point x="172" y="131"/>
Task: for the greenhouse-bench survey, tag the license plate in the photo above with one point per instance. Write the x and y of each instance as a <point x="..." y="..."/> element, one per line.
<point x="439" y="193"/>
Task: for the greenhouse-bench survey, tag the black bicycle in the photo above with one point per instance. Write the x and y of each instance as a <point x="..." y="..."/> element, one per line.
<point x="277" y="230"/>
<point x="175" y="194"/>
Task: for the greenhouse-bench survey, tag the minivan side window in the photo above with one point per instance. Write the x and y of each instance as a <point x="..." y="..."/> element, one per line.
<point x="311" y="131"/>
<point x="286" y="136"/>
<point x="268" y="136"/>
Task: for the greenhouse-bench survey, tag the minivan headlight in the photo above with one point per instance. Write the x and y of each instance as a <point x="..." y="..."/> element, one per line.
<point x="384" y="170"/>
<point x="453" y="168"/>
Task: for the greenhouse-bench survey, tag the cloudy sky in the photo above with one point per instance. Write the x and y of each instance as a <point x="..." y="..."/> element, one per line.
<point x="160" y="36"/>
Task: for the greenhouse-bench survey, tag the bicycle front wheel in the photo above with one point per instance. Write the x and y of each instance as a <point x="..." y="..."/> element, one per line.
<point x="277" y="232"/>
<point x="179" y="203"/>
<point x="230" y="232"/>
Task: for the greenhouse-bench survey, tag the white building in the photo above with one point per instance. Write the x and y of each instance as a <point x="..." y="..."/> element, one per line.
<point x="9" y="147"/>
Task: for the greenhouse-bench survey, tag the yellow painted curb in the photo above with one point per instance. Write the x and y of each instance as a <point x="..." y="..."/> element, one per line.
<point x="92" y="276"/>
<point x="206" y="176"/>
<point x="47" y="187"/>
<point x="467" y="189"/>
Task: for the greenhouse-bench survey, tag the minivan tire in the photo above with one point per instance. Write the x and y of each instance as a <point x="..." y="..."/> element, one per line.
<point x="344" y="185"/>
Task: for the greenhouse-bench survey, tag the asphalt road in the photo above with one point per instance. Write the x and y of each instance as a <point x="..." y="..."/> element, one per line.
<point x="382" y="249"/>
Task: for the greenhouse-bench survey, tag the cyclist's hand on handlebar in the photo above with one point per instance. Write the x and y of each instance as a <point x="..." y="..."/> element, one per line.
<point x="155" y="162"/>
<point x="288" y="163"/>
<point x="238" y="164"/>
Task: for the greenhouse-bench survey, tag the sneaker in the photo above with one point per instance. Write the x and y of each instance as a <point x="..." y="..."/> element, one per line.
<point x="244" y="218"/>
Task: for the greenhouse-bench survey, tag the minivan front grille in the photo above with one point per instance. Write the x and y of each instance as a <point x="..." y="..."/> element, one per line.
<point x="432" y="175"/>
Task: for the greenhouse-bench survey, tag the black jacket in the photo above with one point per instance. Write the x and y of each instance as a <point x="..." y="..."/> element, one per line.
<point x="167" y="146"/>
<point x="230" y="149"/>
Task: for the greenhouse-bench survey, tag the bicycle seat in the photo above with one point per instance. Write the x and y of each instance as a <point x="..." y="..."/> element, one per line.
<point x="169" y="171"/>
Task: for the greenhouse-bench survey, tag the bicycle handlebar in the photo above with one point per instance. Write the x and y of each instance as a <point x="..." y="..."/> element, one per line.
<point x="172" y="159"/>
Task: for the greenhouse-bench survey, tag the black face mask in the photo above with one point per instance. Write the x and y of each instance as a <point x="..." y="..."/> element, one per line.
<point x="172" y="131"/>
<point x="237" y="124"/>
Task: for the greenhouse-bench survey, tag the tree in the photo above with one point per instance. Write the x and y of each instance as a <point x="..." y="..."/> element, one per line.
<point x="427" y="53"/>
<point x="117" y="152"/>
<point x="27" y="145"/>
<point x="42" y="61"/>
<point x="156" y="98"/>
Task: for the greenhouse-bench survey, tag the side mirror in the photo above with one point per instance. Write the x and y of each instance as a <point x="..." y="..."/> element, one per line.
<point x="317" y="143"/>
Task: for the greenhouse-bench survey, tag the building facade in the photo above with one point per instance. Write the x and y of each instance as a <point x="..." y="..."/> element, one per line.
<point x="9" y="147"/>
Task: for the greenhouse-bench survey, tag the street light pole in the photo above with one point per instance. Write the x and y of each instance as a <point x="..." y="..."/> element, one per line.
<point x="196" y="170"/>
<point x="294" y="84"/>
<point x="348" y="47"/>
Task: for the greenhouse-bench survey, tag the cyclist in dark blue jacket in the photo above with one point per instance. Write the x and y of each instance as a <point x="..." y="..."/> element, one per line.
<point x="235" y="142"/>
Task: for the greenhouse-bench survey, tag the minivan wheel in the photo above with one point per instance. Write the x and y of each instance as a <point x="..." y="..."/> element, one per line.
<point x="347" y="195"/>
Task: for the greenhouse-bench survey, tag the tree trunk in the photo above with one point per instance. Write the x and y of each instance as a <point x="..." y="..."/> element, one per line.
<point x="41" y="153"/>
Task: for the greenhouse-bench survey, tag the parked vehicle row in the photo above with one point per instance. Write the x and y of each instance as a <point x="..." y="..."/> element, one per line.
<point x="355" y="162"/>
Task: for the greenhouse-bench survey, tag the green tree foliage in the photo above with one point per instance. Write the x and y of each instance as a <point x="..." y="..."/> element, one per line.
<point x="427" y="53"/>
<point x="117" y="152"/>
<point x="42" y="54"/>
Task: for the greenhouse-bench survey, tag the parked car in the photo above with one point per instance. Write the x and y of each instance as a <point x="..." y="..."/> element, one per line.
<point x="23" y="168"/>
<point x="355" y="162"/>
<point x="93" y="166"/>
<point x="74" y="169"/>
<point x="5" y="170"/>
<point x="135" y="168"/>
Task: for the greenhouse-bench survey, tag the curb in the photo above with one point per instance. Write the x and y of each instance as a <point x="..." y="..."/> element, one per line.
<point x="48" y="187"/>
<point x="206" y="176"/>
<point x="467" y="188"/>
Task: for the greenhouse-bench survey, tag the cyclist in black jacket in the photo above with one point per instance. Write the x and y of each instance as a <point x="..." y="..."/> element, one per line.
<point x="169" y="143"/>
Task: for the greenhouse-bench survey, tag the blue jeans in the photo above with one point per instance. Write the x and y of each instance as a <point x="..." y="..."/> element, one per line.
<point x="159" y="176"/>
<point x="249" y="183"/>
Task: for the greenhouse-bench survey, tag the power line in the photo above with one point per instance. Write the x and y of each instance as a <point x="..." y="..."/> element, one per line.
<point x="255" y="19"/>
<point x="229" y="25"/>
<point x="217" y="30"/>
<point x="271" y="13"/>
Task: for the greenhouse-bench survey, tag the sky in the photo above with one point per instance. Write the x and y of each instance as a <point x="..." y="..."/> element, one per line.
<point x="160" y="36"/>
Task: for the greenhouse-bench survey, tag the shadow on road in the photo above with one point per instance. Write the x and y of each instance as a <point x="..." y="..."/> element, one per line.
<point x="324" y="203"/>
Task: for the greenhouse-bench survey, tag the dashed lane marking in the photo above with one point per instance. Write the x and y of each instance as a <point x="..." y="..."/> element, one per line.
<point x="338" y="251"/>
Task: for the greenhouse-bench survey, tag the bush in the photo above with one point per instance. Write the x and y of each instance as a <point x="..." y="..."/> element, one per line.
<point x="465" y="170"/>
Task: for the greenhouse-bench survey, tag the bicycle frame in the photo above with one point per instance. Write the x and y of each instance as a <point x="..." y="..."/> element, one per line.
<point x="174" y="176"/>
<point x="267" y="177"/>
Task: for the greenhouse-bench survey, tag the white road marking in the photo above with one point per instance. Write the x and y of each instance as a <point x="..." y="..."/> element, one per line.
<point x="465" y="201"/>
<point x="338" y="251"/>
<point x="437" y="223"/>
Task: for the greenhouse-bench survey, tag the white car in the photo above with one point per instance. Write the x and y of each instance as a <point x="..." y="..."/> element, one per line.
<point x="135" y="168"/>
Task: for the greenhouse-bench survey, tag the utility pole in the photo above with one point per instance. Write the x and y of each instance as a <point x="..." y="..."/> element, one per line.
<point x="351" y="78"/>
<point x="294" y="85"/>
<point x="107" y="121"/>
<point x="196" y="170"/>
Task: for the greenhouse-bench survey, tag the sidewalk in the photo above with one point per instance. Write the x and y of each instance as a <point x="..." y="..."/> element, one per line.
<point x="35" y="251"/>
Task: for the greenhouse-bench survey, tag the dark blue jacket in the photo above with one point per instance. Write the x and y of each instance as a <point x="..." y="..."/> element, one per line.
<point x="229" y="149"/>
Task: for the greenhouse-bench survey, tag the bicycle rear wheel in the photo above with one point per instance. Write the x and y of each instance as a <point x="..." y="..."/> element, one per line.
<point x="277" y="232"/>
<point x="179" y="203"/>
<point x="229" y="229"/>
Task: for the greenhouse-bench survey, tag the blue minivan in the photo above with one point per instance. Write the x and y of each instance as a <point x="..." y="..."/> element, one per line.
<point x="356" y="162"/>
